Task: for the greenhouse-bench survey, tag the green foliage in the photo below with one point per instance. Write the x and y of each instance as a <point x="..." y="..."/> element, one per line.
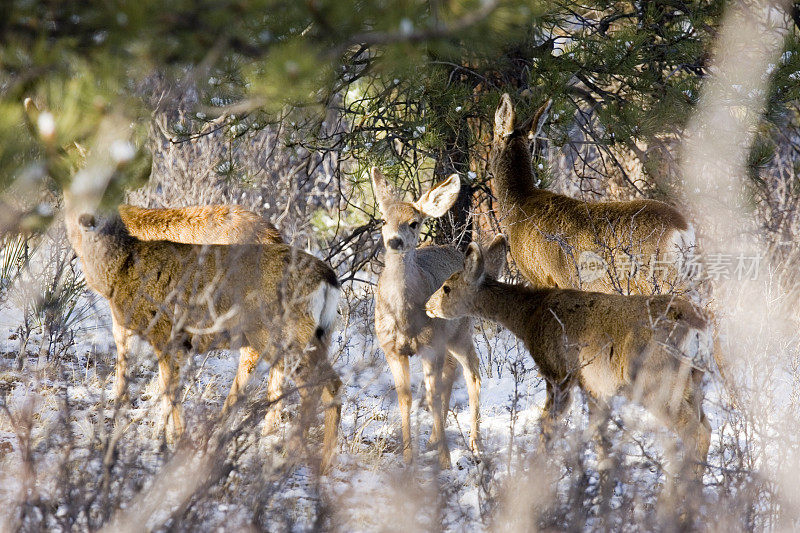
<point x="57" y="307"/>
<point x="419" y="80"/>
<point x="14" y="253"/>
<point x="18" y="149"/>
<point x="760" y="155"/>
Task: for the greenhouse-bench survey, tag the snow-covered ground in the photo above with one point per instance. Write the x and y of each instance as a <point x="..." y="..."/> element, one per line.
<point x="76" y="462"/>
<point x="370" y="488"/>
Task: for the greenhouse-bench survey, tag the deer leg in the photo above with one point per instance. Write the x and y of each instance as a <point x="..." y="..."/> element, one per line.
<point x="546" y="421"/>
<point x="688" y="420"/>
<point x="275" y="398"/>
<point x="309" y="392"/>
<point x="122" y="338"/>
<point x="448" y="378"/>
<point x="321" y="382"/>
<point x="557" y="401"/>
<point x="681" y="408"/>
<point x="432" y="361"/>
<point x="399" y="366"/>
<point x="695" y="432"/>
<point x="317" y="381"/>
<point x="168" y="379"/>
<point x="248" y="359"/>
<point x="702" y="429"/>
<point x="470" y="365"/>
<point x="332" y="403"/>
<point x="599" y="416"/>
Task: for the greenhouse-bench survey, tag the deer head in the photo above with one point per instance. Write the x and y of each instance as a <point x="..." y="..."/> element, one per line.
<point x="456" y="295"/>
<point x="511" y="140"/>
<point x="403" y="220"/>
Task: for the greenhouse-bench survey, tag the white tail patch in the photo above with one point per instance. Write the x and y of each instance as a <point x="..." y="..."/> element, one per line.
<point x="697" y="347"/>
<point x="323" y="304"/>
<point x="684" y="240"/>
<point x="684" y="246"/>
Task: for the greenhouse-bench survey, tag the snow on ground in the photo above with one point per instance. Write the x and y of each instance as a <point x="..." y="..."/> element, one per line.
<point x="370" y="483"/>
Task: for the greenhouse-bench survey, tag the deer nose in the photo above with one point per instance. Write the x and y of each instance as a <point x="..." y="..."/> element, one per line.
<point x="394" y="243"/>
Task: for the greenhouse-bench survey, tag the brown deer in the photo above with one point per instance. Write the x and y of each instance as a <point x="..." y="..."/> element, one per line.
<point x="558" y="241"/>
<point x="262" y="299"/>
<point x="410" y="275"/>
<point x="640" y="346"/>
<point x="210" y="224"/>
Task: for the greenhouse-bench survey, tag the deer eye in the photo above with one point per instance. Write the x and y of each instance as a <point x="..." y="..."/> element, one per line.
<point x="446" y="289"/>
<point x="413" y="225"/>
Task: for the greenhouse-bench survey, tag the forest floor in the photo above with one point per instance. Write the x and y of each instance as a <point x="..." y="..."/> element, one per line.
<point x="369" y="489"/>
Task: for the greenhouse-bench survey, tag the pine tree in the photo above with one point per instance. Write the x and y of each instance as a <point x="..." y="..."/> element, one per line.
<point x="414" y="83"/>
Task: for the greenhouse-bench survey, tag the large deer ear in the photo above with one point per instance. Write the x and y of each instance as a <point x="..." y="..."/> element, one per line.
<point x="438" y="200"/>
<point x="536" y="122"/>
<point x="384" y="192"/>
<point x="495" y="256"/>
<point x="473" y="264"/>
<point x="504" y="117"/>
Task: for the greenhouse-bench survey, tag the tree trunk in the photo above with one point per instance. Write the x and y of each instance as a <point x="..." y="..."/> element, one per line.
<point x="455" y="228"/>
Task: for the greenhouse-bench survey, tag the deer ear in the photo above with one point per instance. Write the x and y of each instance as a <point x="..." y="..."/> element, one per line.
<point x="384" y="192"/>
<point x="536" y="122"/>
<point x="496" y="256"/>
<point x="438" y="200"/>
<point x="473" y="264"/>
<point x="504" y="117"/>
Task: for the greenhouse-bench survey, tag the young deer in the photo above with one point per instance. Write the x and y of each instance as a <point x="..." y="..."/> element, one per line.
<point x="211" y="224"/>
<point x="262" y="299"/>
<point x="551" y="234"/>
<point x="640" y="346"/>
<point x="409" y="277"/>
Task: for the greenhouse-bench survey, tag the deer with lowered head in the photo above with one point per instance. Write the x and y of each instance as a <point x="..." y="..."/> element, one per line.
<point x="209" y="224"/>
<point x="410" y="275"/>
<point x="551" y="235"/>
<point x="261" y="299"/>
<point x="639" y="346"/>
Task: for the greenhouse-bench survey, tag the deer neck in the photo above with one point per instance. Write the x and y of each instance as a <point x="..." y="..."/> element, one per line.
<point x="514" y="179"/>
<point x="402" y="281"/>
<point x="509" y="305"/>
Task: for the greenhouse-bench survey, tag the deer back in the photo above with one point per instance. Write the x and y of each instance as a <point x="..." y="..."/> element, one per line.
<point x="210" y="293"/>
<point x="552" y="236"/>
<point x="601" y="341"/>
<point x="213" y="224"/>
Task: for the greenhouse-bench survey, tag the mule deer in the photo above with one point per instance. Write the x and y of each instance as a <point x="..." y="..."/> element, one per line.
<point x="409" y="277"/>
<point x="211" y="224"/>
<point x="550" y="235"/>
<point x="181" y="297"/>
<point x="640" y="346"/>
